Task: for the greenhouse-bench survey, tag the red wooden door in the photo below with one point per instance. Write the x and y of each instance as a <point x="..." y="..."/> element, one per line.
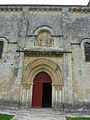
<point x="37" y="95"/>
<point x="41" y="78"/>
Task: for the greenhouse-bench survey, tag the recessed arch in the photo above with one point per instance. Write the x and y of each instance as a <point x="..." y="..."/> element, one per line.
<point x="40" y="68"/>
<point x="44" y="30"/>
<point x="35" y="67"/>
<point x="40" y="61"/>
<point x="46" y="27"/>
<point x="44" y="37"/>
<point x="29" y="77"/>
<point x="39" y="65"/>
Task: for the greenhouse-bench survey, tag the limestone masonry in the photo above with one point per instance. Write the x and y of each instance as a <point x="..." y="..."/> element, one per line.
<point x="49" y="40"/>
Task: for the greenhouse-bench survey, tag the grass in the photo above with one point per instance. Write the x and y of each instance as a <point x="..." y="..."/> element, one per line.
<point x="6" y="117"/>
<point x="79" y="118"/>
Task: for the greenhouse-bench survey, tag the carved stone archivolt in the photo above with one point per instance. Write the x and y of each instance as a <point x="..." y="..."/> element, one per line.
<point x="39" y="65"/>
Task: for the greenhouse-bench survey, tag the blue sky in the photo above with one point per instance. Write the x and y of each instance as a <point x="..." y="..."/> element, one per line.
<point x="49" y="2"/>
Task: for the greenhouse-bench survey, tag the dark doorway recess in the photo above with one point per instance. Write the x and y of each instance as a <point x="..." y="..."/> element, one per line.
<point x="47" y="95"/>
<point x="42" y="91"/>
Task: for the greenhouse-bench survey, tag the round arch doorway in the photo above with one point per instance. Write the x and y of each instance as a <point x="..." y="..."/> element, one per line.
<point x="42" y="91"/>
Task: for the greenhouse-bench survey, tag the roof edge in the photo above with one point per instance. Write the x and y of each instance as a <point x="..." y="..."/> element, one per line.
<point x="41" y="5"/>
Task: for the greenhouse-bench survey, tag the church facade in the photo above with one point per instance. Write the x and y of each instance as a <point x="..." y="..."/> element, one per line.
<point x="45" y="56"/>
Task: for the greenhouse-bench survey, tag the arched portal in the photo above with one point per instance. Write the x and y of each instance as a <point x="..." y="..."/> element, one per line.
<point x="42" y="91"/>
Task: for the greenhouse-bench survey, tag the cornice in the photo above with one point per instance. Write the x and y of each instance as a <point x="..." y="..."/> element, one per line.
<point x="45" y="8"/>
<point x="11" y="9"/>
<point x="43" y="53"/>
<point x="52" y="9"/>
<point x="79" y="10"/>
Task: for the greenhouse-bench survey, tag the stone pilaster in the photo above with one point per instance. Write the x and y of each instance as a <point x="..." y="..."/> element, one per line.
<point x="68" y="78"/>
<point x="57" y="94"/>
<point x="16" y="84"/>
<point x="19" y="77"/>
<point x="53" y="95"/>
<point x="30" y="95"/>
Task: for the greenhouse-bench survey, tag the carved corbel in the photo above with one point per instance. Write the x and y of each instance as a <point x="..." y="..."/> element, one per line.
<point x="26" y="85"/>
<point x="58" y="87"/>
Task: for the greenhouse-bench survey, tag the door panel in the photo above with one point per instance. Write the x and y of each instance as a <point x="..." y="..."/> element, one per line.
<point x="37" y="95"/>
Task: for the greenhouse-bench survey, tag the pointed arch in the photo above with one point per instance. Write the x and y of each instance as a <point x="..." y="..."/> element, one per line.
<point x="39" y="65"/>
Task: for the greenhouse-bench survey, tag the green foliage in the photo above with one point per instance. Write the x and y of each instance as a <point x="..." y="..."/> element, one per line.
<point x="6" y="117"/>
<point x="77" y="118"/>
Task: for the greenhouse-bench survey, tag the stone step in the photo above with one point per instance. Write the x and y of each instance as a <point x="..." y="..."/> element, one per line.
<point x="38" y="114"/>
<point x="39" y="118"/>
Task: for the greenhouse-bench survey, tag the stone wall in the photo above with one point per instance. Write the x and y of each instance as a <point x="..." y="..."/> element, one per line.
<point x="69" y="28"/>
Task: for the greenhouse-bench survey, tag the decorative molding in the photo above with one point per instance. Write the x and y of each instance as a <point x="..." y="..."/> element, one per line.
<point x="75" y="43"/>
<point x="41" y="9"/>
<point x="43" y="53"/>
<point x="44" y="8"/>
<point x="11" y="9"/>
<point x="80" y="9"/>
<point x="52" y="9"/>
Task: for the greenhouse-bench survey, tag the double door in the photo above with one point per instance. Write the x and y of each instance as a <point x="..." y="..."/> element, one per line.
<point x="42" y="94"/>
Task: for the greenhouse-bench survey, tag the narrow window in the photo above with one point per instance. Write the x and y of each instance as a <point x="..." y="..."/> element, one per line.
<point x="87" y="51"/>
<point x="1" y="48"/>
